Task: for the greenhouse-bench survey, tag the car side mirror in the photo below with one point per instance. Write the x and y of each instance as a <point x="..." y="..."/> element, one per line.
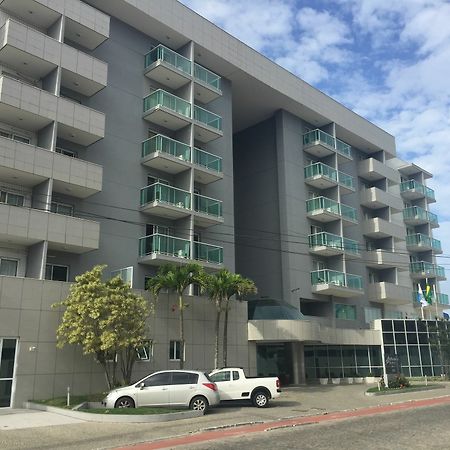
<point x="142" y="385"/>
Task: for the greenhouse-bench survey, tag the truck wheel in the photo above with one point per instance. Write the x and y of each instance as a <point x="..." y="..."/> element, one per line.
<point x="199" y="403"/>
<point x="260" y="399"/>
<point x="124" y="402"/>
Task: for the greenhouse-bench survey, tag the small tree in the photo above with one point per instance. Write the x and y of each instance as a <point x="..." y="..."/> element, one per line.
<point x="240" y="287"/>
<point x="106" y="319"/>
<point x="439" y="338"/>
<point x="178" y="279"/>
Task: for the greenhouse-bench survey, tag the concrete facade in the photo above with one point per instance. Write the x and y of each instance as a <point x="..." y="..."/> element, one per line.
<point x="138" y="133"/>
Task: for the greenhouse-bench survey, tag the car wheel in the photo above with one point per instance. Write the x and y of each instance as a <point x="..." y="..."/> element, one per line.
<point x="124" y="402"/>
<point x="260" y="399"/>
<point x="199" y="403"/>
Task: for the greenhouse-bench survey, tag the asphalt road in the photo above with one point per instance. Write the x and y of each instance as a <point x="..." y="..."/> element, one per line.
<point x="422" y="428"/>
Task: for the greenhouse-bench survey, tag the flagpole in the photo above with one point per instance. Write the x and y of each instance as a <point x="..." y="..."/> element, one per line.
<point x="435" y="299"/>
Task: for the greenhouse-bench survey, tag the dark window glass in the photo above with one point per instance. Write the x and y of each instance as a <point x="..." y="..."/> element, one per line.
<point x="421" y="326"/>
<point x="414" y="356"/>
<point x="416" y="371"/>
<point x="400" y="338"/>
<point x="348" y="356"/>
<point x="386" y="325"/>
<point x="423" y="338"/>
<point x="375" y="356"/>
<point x="221" y="376"/>
<point x="399" y="325"/>
<point x="425" y="355"/>
<point x="411" y="338"/>
<point x="160" y="379"/>
<point x="184" y="378"/>
<point x="410" y="325"/>
<point x="388" y="338"/>
<point x="362" y="356"/>
<point x="403" y="356"/>
<point x="427" y="371"/>
<point x="5" y="393"/>
<point x="235" y="375"/>
<point x="389" y="350"/>
<point x="8" y="351"/>
<point x="59" y="273"/>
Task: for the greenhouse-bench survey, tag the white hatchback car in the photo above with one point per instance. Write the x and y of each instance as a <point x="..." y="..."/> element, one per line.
<point x="180" y="388"/>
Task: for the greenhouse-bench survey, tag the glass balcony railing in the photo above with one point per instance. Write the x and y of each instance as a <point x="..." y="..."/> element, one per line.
<point x="332" y="206"/>
<point x="420" y="239"/>
<point x="321" y="169"/>
<point x="163" y="144"/>
<point x="319" y="136"/>
<point x="207" y="118"/>
<point x="209" y="253"/>
<point x="325" y="239"/>
<point x="413" y="185"/>
<point x="208" y="160"/>
<point x="338" y="278"/>
<point x="418" y="213"/>
<point x="169" y="101"/>
<point x="161" y="53"/>
<point x="166" y="194"/>
<point x="207" y="205"/>
<point x="206" y="76"/>
<point x="442" y="299"/>
<point x="427" y="269"/>
<point x="164" y="245"/>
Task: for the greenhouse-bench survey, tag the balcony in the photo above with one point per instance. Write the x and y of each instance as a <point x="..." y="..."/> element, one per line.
<point x="167" y="110"/>
<point x="419" y="242"/>
<point x="29" y="165"/>
<point x="384" y="259"/>
<point x="423" y="269"/>
<point x="442" y="299"/>
<point x="388" y="293"/>
<point x="379" y="228"/>
<point x="321" y="144"/>
<point x="26" y="226"/>
<point x="339" y="284"/>
<point x="30" y="108"/>
<point x="371" y="169"/>
<point x="324" y="209"/>
<point x="328" y="244"/>
<point x="35" y="54"/>
<point x="208" y="211"/>
<point x="412" y="190"/>
<point x="167" y="67"/>
<point x="165" y="201"/>
<point x="322" y="176"/>
<point x="166" y="154"/>
<point x="375" y="198"/>
<point x="207" y="125"/>
<point x="207" y="167"/>
<point x="157" y="249"/>
<point x="207" y="84"/>
<point x="209" y="255"/>
<point x="415" y="215"/>
<point x="84" y="25"/>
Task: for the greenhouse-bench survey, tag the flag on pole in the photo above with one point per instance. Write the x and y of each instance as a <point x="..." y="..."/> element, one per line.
<point x="420" y="297"/>
<point x="428" y="294"/>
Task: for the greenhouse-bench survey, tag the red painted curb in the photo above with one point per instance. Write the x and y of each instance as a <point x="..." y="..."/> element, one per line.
<point x="238" y="431"/>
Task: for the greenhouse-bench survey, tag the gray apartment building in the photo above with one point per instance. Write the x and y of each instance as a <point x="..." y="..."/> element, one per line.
<point x="135" y="133"/>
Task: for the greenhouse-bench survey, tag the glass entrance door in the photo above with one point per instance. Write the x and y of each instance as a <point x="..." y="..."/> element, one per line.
<point x="7" y="358"/>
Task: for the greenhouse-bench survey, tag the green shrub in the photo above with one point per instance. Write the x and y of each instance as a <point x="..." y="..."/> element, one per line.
<point x="400" y="381"/>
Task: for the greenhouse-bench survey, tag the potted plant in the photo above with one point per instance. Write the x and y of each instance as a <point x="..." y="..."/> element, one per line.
<point x="335" y="379"/>
<point x="323" y="380"/>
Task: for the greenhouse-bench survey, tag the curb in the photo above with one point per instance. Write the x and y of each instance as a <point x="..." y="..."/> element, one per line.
<point x="404" y="391"/>
<point x="115" y="418"/>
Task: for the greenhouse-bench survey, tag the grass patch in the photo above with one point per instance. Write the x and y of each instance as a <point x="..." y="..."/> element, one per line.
<point x="61" y="402"/>
<point x="415" y="387"/>
<point x="131" y="411"/>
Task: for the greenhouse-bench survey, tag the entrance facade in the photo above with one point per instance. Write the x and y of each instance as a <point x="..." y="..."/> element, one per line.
<point x="8" y="350"/>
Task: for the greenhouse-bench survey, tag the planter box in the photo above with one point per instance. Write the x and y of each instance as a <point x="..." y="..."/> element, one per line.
<point x="323" y="380"/>
<point x="336" y="381"/>
<point x="370" y="380"/>
<point x="358" y="380"/>
<point x="349" y="380"/>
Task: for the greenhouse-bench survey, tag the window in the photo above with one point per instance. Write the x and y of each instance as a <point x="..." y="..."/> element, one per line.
<point x="345" y="312"/>
<point x="125" y="274"/>
<point x="175" y="351"/>
<point x="184" y="378"/>
<point x="371" y="314"/>
<point x="159" y="379"/>
<point x="153" y="229"/>
<point x="56" y="272"/>
<point x="8" y="267"/>
<point x="235" y="375"/>
<point x="145" y="352"/>
<point x="62" y="208"/>
<point x="152" y="180"/>
<point x="11" y="199"/>
<point x="221" y="376"/>
<point x="64" y="151"/>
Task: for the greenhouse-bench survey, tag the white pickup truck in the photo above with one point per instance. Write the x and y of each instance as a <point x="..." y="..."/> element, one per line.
<point x="234" y="385"/>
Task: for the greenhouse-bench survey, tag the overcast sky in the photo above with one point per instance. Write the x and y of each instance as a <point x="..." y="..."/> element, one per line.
<point x="388" y="60"/>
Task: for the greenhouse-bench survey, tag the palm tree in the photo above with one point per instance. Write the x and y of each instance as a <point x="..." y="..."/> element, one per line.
<point x="176" y="278"/>
<point x="220" y="287"/>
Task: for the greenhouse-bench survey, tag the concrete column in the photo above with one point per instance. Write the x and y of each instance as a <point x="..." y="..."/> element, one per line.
<point x="298" y="363"/>
<point x="37" y="257"/>
<point x="42" y="195"/>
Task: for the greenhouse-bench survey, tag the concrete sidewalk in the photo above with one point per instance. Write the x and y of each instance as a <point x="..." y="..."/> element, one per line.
<point x="13" y="419"/>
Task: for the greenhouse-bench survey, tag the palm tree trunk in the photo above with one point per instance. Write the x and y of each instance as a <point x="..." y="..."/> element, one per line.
<point x="225" y="334"/>
<point x="180" y="305"/>
<point x="216" y="346"/>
